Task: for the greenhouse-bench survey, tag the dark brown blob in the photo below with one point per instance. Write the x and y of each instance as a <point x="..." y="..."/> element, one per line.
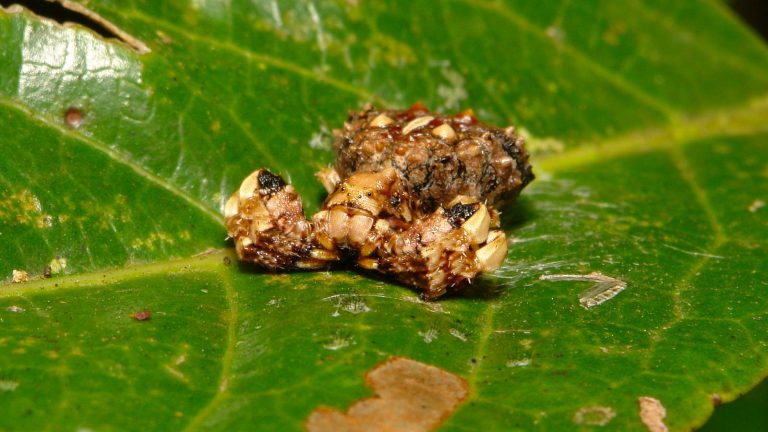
<point x="437" y="156"/>
<point x="47" y="272"/>
<point x="459" y="213"/>
<point x="270" y="183"/>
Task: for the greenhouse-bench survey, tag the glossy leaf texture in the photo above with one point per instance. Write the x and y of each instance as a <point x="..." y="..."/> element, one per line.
<point x="647" y="123"/>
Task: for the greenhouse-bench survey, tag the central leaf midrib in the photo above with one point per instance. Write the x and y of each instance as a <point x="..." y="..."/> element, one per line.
<point x="198" y="421"/>
<point x="211" y="261"/>
<point x="746" y="119"/>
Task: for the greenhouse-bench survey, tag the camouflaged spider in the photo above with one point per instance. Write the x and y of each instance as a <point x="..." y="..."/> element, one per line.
<point x="413" y="194"/>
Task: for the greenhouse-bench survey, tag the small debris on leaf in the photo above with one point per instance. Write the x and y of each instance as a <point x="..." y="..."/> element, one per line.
<point x="429" y="335"/>
<point x="408" y="396"/>
<point x="756" y="205"/>
<point x="142" y="315"/>
<point x="8" y="385"/>
<point x="164" y="38"/>
<point x="605" y="287"/>
<point x="74" y="117"/>
<point x="47" y="272"/>
<point x="523" y="362"/>
<point x="457" y="334"/>
<point x="15" y="309"/>
<point x="19" y="276"/>
<point x="594" y="415"/>
<point x="58" y="265"/>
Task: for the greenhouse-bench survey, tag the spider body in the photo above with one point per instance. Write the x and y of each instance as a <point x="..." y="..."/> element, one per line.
<point x="413" y="194"/>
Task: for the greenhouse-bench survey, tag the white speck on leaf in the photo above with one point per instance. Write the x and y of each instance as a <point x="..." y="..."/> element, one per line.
<point x="457" y="334"/>
<point x="756" y="205"/>
<point x="321" y="140"/>
<point x="176" y="373"/>
<point x="556" y="33"/>
<point x="275" y="302"/>
<point x="429" y="335"/>
<point x="7" y="385"/>
<point x="351" y="303"/>
<point x="519" y="363"/>
<point x="430" y="306"/>
<point x="594" y="415"/>
<point x="338" y="342"/>
<point x="454" y="92"/>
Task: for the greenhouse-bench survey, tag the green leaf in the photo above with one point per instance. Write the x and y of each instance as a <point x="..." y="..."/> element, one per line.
<point x="648" y="127"/>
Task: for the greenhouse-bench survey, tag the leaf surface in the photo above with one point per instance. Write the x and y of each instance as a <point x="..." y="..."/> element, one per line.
<point x="647" y="123"/>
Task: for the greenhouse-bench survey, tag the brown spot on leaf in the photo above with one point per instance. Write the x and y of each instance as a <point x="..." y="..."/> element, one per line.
<point x="142" y="315"/>
<point x="716" y="400"/>
<point x="652" y="414"/>
<point x="74" y="117"/>
<point x="408" y="396"/>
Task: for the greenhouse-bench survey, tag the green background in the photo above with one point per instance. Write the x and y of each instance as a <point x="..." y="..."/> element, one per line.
<point x="647" y="124"/>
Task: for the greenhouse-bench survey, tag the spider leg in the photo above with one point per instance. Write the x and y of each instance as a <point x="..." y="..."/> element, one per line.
<point x="266" y="220"/>
<point x="329" y="178"/>
<point x="444" y="249"/>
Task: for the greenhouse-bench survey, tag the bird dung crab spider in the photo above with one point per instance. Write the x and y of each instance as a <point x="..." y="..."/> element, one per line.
<point x="413" y="195"/>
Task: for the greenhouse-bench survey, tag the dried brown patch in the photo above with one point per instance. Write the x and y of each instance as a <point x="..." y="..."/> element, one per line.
<point x="408" y="396"/>
<point x="652" y="414"/>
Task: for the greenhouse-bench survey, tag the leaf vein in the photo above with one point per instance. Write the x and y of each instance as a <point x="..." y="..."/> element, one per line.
<point x="222" y="391"/>
<point x="251" y="56"/>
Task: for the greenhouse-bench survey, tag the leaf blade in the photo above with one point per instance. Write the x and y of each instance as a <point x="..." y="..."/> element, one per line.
<point x="642" y="190"/>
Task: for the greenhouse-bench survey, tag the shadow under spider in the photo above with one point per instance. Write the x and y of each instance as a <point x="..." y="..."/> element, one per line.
<point x="516" y="214"/>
